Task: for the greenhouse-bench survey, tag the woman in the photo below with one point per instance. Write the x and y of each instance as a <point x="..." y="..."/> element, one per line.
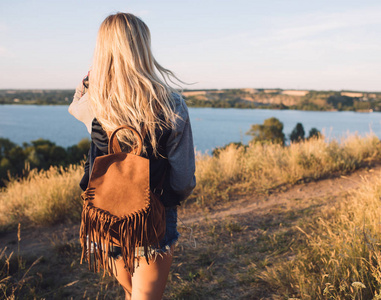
<point x="125" y="88"/>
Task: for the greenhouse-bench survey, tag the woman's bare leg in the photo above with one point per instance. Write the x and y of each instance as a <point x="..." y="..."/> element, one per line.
<point x="149" y="280"/>
<point x="123" y="277"/>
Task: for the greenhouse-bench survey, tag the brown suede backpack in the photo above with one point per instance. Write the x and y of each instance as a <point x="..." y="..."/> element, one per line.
<point x="120" y="208"/>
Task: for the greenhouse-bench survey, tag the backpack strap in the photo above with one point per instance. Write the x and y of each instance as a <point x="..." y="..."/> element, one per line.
<point x="113" y="145"/>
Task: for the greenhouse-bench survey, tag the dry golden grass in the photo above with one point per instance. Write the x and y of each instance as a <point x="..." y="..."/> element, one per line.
<point x="341" y="256"/>
<point x="52" y="196"/>
<point x="42" y="198"/>
<point x="331" y="254"/>
<point x="265" y="167"/>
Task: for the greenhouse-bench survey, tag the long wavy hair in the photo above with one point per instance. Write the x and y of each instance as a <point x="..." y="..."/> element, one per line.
<point x="126" y="83"/>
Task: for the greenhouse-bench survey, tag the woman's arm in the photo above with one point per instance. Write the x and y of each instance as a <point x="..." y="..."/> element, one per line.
<point x="80" y="107"/>
<point x="181" y="157"/>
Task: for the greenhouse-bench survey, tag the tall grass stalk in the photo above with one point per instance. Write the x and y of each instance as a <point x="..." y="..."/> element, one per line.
<point x="263" y="167"/>
<point x="42" y="198"/>
<point x="14" y="284"/>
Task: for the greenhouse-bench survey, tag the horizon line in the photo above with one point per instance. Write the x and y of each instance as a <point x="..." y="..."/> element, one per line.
<point x="206" y="89"/>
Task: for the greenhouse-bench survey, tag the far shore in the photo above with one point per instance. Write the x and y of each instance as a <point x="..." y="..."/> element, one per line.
<point x="250" y="98"/>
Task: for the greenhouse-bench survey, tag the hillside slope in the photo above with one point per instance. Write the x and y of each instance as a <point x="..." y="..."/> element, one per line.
<point x="235" y="244"/>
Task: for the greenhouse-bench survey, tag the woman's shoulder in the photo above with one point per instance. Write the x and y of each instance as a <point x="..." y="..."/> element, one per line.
<point x="180" y="107"/>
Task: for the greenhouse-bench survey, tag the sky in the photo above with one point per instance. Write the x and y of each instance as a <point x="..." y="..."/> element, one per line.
<point x="210" y="44"/>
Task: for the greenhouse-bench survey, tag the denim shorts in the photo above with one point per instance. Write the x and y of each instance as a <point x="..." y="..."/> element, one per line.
<point x="170" y="238"/>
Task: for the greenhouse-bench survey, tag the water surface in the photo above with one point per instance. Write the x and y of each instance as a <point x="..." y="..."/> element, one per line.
<point x="212" y="127"/>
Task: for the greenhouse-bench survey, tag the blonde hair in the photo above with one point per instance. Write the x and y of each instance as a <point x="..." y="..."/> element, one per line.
<point x="124" y="86"/>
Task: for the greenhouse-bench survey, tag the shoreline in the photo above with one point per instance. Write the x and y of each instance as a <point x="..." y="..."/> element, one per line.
<point x="190" y="106"/>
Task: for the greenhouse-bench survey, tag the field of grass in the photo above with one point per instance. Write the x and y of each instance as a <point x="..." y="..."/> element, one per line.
<point x="340" y="257"/>
<point x="321" y="247"/>
<point x="265" y="168"/>
<point x="305" y="247"/>
<point x="52" y="196"/>
<point x="42" y="198"/>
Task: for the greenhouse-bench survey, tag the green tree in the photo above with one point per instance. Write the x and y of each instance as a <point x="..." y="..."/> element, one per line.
<point x="5" y="146"/>
<point x="17" y="158"/>
<point x="78" y="152"/>
<point x="340" y="102"/>
<point x="40" y="154"/>
<point x="43" y="153"/>
<point x="314" y="133"/>
<point x="297" y="133"/>
<point x="271" y="131"/>
<point x="5" y="169"/>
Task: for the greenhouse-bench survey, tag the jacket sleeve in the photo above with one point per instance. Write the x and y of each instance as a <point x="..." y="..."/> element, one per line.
<point x="181" y="157"/>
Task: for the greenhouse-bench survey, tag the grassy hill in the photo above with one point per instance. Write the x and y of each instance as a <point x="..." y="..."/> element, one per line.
<point x="317" y="240"/>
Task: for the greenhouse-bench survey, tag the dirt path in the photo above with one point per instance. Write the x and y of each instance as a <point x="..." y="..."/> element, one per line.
<point x="323" y="188"/>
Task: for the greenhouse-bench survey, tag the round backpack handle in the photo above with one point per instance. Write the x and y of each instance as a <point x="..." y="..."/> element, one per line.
<point x="113" y="149"/>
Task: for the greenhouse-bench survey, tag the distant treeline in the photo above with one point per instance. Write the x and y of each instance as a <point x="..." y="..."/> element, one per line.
<point x="37" y="97"/>
<point x="228" y="98"/>
<point x="313" y="100"/>
<point x="335" y="101"/>
<point x="230" y="103"/>
<point x="40" y="154"/>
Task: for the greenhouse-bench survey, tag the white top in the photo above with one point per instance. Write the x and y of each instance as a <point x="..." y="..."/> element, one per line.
<point x="80" y="107"/>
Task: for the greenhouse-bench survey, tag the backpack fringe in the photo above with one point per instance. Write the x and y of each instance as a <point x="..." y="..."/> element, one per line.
<point x="100" y="230"/>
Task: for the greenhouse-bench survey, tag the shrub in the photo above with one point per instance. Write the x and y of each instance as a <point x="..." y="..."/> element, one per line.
<point x="270" y="132"/>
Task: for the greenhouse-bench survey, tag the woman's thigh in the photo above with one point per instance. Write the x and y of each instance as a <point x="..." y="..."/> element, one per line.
<point x="149" y="280"/>
<point x="121" y="274"/>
